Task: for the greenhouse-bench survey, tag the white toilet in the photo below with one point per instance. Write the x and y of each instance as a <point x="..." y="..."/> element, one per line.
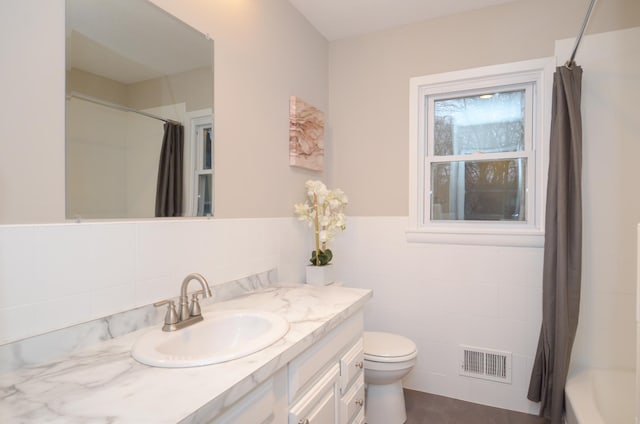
<point x="387" y="359"/>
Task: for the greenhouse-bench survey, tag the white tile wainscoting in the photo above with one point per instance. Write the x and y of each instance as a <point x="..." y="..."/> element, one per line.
<point x="58" y="275"/>
<point x="56" y="344"/>
<point x="442" y="296"/>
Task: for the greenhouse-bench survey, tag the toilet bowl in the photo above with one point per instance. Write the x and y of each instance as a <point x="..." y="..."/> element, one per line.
<point x="387" y="359"/>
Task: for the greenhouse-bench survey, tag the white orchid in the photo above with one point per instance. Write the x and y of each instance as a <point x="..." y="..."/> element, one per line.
<point x="317" y="188"/>
<point x="324" y="211"/>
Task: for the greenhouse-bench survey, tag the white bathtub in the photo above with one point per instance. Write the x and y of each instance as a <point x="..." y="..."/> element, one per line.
<point x="601" y="396"/>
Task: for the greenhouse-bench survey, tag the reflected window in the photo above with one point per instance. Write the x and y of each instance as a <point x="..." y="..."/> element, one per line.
<point x="203" y="170"/>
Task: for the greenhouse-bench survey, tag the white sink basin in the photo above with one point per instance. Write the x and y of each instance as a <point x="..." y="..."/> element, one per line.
<point x="222" y="336"/>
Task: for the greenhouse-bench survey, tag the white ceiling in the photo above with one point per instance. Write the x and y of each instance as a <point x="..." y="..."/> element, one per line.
<point x="336" y="19"/>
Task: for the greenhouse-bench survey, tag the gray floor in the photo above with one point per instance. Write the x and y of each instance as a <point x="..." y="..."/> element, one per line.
<point x="425" y="408"/>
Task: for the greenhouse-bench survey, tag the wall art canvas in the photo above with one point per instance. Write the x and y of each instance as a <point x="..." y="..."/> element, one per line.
<point x="306" y="135"/>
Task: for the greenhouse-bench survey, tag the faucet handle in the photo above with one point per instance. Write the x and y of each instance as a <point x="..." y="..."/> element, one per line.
<point x="171" y="317"/>
<point x="194" y="309"/>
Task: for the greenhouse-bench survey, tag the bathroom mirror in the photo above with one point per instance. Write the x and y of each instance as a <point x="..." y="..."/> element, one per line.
<point x="131" y="68"/>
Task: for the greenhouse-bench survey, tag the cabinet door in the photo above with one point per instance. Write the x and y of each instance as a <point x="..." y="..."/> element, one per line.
<point x="351" y="365"/>
<point x="319" y="405"/>
<point x="306" y="367"/>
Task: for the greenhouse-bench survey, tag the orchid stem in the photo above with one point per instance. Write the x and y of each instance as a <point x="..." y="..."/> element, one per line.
<point x="317" y="225"/>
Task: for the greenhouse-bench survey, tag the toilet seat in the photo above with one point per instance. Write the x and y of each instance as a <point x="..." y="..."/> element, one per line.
<point x="388" y="347"/>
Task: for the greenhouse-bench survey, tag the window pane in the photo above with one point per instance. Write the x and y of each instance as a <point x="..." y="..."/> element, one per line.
<point x="206" y="149"/>
<point x="479" y="190"/>
<point x="204" y="195"/>
<point x="486" y="123"/>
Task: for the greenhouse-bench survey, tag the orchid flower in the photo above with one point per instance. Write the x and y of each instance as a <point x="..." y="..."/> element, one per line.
<point x="323" y="210"/>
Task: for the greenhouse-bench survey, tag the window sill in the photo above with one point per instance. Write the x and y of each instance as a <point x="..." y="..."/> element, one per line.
<point x="477" y="237"/>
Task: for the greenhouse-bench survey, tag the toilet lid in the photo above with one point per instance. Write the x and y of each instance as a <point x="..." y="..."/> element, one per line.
<point x="388" y="347"/>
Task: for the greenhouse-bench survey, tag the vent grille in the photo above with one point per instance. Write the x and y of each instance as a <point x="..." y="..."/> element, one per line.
<point x="486" y="364"/>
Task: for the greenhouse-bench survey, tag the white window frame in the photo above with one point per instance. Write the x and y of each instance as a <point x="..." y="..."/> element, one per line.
<point x="198" y="120"/>
<point x="538" y="74"/>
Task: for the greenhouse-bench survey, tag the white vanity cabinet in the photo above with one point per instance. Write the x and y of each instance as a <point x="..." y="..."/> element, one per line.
<point x="319" y="404"/>
<point x="326" y="382"/>
<point x="322" y="385"/>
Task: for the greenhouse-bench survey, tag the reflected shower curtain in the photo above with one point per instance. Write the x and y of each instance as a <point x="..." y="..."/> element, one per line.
<point x="562" y="247"/>
<point x="169" y="185"/>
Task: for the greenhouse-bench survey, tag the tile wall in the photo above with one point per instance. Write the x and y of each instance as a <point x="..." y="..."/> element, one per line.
<point x="442" y="296"/>
<point x="55" y="276"/>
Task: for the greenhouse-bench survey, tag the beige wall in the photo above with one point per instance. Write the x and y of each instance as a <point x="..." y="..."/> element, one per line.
<point x="369" y="82"/>
<point x="32" y="111"/>
<point x="96" y="147"/>
<point x="264" y="52"/>
<point x="96" y="86"/>
<point x="194" y="88"/>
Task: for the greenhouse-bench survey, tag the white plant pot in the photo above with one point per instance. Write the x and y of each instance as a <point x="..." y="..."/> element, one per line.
<point x="319" y="275"/>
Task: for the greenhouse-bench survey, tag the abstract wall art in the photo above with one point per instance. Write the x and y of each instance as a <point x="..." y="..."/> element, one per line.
<point x="306" y="135"/>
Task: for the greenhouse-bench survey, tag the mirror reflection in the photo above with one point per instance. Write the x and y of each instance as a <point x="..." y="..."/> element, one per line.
<point x="139" y="104"/>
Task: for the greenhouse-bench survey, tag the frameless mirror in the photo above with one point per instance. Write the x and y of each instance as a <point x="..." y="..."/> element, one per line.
<point x="138" y="81"/>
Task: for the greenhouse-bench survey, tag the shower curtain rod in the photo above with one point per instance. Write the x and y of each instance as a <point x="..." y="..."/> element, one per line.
<point x="570" y="62"/>
<point x="120" y="107"/>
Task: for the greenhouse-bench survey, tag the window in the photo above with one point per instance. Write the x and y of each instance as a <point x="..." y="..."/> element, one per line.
<point x="476" y="154"/>
<point x="204" y="172"/>
<point x="199" y="165"/>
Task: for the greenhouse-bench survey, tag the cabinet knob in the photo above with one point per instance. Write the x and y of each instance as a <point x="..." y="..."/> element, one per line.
<point x="360" y="364"/>
<point x="303" y="421"/>
<point x="359" y="402"/>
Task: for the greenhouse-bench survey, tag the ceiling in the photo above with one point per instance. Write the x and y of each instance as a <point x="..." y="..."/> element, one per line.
<point x="337" y="19"/>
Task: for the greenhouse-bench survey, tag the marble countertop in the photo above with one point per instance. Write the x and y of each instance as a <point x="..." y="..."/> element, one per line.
<point x="104" y="384"/>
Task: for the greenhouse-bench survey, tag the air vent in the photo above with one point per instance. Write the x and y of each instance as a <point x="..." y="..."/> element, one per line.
<point x="487" y="364"/>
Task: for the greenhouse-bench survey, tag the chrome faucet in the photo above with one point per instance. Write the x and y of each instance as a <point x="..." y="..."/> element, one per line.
<point x="186" y="315"/>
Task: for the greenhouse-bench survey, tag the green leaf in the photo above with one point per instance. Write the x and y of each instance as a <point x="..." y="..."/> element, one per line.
<point x="324" y="257"/>
<point x="329" y="255"/>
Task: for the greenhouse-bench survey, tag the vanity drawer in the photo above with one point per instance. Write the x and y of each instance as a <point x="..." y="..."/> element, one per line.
<point x="352" y="403"/>
<point x="319" y="404"/>
<point x="308" y="366"/>
<point x="351" y="365"/>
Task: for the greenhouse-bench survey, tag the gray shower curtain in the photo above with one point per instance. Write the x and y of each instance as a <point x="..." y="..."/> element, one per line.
<point x="169" y="185"/>
<point x="562" y="247"/>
